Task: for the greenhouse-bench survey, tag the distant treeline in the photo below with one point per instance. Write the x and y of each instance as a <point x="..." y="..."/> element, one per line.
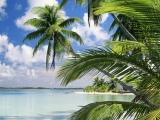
<point x="37" y="88"/>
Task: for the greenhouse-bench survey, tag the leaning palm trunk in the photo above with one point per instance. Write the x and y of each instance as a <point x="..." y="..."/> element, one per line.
<point x="126" y="87"/>
<point x="125" y="31"/>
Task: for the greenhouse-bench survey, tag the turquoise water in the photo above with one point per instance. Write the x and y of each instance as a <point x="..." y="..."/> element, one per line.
<point x="47" y="104"/>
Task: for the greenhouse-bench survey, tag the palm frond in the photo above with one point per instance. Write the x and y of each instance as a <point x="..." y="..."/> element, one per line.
<point x="40" y="10"/>
<point x="153" y="115"/>
<point x="34" y="34"/>
<point x="105" y="59"/>
<point x="81" y="2"/>
<point x="111" y="110"/>
<point x="64" y="42"/>
<point x="135" y="9"/>
<point x="37" y="23"/>
<point x="150" y="92"/>
<point x="126" y="46"/>
<point x="53" y="29"/>
<point x="62" y="4"/>
<point x="69" y="21"/>
<point x="73" y="35"/>
<point x="116" y="36"/>
<point x="40" y="43"/>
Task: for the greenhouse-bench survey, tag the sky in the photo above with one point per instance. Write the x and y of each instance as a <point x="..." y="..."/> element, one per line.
<point x="18" y="68"/>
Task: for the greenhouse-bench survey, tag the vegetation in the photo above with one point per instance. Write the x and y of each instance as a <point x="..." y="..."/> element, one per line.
<point x="51" y="30"/>
<point x="99" y="85"/>
<point x="132" y="60"/>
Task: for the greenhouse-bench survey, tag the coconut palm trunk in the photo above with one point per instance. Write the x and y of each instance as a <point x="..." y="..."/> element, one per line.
<point x="125" y="31"/>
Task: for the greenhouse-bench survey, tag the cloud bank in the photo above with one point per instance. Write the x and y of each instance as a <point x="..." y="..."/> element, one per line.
<point x="23" y="72"/>
<point x="93" y="35"/>
<point x="21" y="54"/>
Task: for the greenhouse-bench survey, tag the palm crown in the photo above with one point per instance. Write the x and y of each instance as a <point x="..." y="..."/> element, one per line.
<point x="51" y="30"/>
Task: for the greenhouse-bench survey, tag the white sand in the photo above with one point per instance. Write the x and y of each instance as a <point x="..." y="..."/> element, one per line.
<point x="109" y="93"/>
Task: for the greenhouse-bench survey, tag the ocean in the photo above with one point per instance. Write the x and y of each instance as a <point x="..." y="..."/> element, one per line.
<point x="47" y="104"/>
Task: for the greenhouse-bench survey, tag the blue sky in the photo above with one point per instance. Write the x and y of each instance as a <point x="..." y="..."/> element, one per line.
<point x="17" y="66"/>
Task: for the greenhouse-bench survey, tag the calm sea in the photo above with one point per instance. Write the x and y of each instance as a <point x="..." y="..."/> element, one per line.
<point x="47" y="104"/>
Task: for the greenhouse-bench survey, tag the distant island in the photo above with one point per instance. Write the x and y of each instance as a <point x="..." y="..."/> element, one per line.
<point x="37" y="88"/>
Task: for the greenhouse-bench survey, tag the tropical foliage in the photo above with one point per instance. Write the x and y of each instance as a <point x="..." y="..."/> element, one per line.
<point x="99" y="85"/>
<point x="124" y="64"/>
<point x="51" y="30"/>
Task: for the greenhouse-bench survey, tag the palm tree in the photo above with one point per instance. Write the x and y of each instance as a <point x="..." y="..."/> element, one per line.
<point x="51" y="30"/>
<point x="135" y="11"/>
<point x="98" y="82"/>
<point x="94" y="4"/>
<point x="143" y="66"/>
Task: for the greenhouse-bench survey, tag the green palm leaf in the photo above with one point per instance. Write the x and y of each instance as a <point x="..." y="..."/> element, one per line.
<point x="42" y="10"/>
<point x="40" y="43"/>
<point x="37" y="23"/>
<point x="63" y="3"/>
<point x="35" y="34"/>
<point x="154" y="115"/>
<point x="81" y="2"/>
<point x="126" y="46"/>
<point x="106" y="60"/>
<point x="73" y="35"/>
<point x="110" y="110"/>
<point x="135" y="9"/>
<point x="69" y="21"/>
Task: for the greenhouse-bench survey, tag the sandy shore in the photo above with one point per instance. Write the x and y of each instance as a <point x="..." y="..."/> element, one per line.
<point x="107" y="93"/>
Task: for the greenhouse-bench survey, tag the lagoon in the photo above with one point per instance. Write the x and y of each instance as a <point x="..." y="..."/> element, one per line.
<point x="47" y="104"/>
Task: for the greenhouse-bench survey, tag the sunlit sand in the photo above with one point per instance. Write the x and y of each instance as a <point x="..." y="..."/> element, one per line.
<point x="110" y="93"/>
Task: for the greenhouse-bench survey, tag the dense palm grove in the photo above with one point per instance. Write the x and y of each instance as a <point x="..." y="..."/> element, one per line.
<point x="100" y="85"/>
<point x="133" y="55"/>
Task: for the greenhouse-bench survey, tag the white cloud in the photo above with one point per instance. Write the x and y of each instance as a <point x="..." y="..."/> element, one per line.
<point x="21" y="71"/>
<point x="18" y="6"/>
<point x="38" y="77"/>
<point x="28" y="15"/>
<point x="3" y="43"/>
<point x="2" y="10"/>
<point x="92" y="35"/>
<point x="6" y="71"/>
<point x="23" y="54"/>
<point x="104" y="18"/>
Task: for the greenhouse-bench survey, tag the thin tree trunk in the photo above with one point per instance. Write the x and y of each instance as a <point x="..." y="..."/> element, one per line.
<point x="54" y="52"/>
<point x="128" y="34"/>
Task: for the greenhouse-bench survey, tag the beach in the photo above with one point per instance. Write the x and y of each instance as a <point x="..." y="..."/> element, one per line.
<point x="107" y="93"/>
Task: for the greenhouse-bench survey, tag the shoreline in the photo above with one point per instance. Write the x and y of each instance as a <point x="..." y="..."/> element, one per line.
<point x="107" y="93"/>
